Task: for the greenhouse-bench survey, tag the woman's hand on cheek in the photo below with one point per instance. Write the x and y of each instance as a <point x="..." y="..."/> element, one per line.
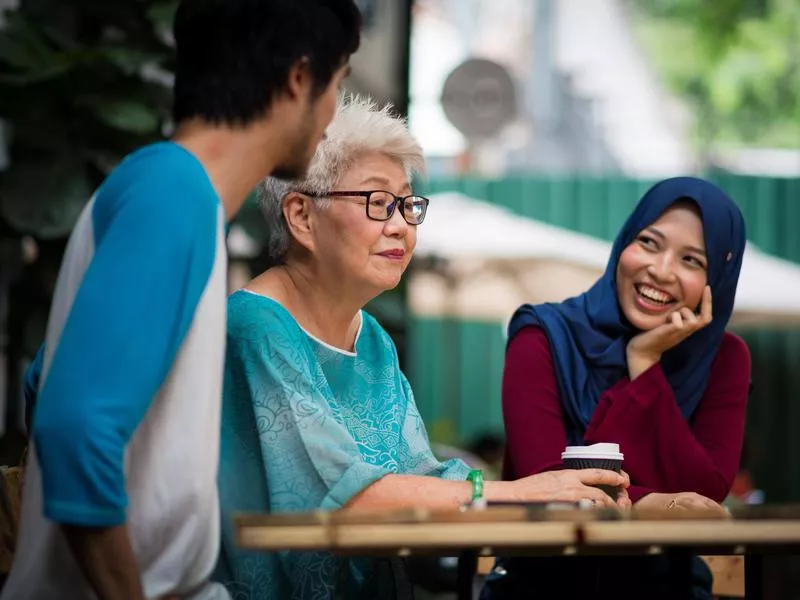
<point x="645" y="349"/>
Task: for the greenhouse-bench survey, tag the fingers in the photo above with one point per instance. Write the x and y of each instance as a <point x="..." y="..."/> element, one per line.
<point x="597" y="496"/>
<point x="602" y="477"/>
<point x="592" y="477"/>
<point x="576" y="485"/>
<point x="693" y="501"/>
<point x="689" y="318"/>
<point x="698" y="321"/>
<point x="707" y="504"/>
<point x="623" y="499"/>
<point x="705" y="306"/>
<point x="686" y="504"/>
<point x="627" y="479"/>
<point x="606" y="501"/>
<point x="688" y="322"/>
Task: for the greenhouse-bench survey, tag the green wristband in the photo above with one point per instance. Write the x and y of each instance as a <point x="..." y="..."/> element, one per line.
<point x="476" y="477"/>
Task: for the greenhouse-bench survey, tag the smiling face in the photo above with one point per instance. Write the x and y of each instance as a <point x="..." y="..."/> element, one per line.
<point x="359" y="251"/>
<point x="664" y="268"/>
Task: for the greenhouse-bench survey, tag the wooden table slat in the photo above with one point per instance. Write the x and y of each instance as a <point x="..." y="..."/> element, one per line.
<point x="455" y="535"/>
<point x="695" y="533"/>
<point x="515" y="527"/>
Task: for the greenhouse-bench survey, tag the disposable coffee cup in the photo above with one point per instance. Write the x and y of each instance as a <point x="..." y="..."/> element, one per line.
<point x="597" y="456"/>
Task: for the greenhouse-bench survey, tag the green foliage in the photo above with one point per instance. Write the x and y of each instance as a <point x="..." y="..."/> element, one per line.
<point x="736" y="61"/>
<point x="82" y="83"/>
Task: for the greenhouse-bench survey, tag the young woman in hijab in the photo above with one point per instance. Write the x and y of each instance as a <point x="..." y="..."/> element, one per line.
<point x="642" y="359"/>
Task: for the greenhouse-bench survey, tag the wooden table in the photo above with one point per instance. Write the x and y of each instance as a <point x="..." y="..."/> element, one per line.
<point x="532" y="531"/>
<point x="406" y="532"/>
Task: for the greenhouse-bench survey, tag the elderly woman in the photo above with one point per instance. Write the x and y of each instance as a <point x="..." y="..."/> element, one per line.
<point x="317" y="413"/>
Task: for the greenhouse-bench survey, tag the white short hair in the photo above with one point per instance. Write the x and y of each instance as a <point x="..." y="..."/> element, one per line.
<point x="359" y="127"/>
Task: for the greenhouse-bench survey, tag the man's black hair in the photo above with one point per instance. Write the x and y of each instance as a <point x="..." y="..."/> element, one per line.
<point x="234" y="56"/>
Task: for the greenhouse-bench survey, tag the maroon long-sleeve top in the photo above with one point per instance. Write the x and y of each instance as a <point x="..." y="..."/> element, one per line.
<point x="663" y="452"/>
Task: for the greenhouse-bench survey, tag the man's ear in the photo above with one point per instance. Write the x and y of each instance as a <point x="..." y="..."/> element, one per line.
<point x="300" y="81"/>
<point x="297" y="210"/>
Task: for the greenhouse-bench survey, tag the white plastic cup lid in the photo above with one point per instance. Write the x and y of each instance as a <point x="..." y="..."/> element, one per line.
<point x="606" y="451"/>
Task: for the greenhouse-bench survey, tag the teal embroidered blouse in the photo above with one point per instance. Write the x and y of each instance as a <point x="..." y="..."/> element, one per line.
<point x="306" y="426"/>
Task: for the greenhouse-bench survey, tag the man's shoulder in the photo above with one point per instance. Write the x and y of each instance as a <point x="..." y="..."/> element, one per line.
<point x="160" y="190"/>
<point x="163" y="178"/>
<point x="162" y="160"/>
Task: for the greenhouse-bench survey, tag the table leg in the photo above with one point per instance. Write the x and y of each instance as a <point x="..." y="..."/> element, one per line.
<point x="465" y="581"/>
<point x="754" y="577"/>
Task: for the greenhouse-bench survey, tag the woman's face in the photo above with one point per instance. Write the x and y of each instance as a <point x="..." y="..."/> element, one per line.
<point x="664" y="268"/>
<point x="358" y="250"/>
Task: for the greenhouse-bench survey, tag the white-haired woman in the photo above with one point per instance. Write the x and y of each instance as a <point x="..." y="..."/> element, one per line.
<point x="316" y="412"/>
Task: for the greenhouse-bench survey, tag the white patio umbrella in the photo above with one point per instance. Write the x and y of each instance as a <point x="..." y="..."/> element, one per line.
<point x="478" y="260"/>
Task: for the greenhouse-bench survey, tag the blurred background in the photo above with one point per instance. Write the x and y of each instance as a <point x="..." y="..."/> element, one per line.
<point x="543" y="122"/>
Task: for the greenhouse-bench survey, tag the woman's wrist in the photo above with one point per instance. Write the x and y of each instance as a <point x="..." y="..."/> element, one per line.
<point x="475" y="477"/>
<point x="638" y="363"/>
<point x="500" y="491"/>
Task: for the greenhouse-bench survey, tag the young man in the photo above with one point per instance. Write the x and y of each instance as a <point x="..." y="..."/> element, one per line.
<point x="120" y="499"/>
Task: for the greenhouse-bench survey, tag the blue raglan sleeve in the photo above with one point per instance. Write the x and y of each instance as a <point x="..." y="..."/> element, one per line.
<point x="154" y="253"/>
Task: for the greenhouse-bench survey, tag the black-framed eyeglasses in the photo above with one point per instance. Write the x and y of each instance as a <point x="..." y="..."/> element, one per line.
<point x="380" y="204"/>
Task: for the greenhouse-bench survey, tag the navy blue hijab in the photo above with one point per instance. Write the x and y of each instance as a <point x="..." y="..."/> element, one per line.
<point x="588" y="334"/>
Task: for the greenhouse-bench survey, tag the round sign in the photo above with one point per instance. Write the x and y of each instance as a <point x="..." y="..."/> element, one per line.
<point x="479" y="98"/>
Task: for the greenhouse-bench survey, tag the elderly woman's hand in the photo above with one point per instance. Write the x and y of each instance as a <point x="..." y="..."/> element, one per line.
<point x="570" y="486"/>
<point x="623" y="499"/>
<point x="680" y="501"/>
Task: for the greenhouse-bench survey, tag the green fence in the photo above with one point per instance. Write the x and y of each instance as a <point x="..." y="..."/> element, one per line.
<point x="456" y="367"/>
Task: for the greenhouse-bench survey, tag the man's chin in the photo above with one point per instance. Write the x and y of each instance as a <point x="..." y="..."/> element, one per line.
<point x="290" y="172"/>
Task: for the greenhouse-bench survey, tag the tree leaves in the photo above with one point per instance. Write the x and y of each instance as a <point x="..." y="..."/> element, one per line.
<point x="25" y="51"/>
<point x="129" y="116"/>
<point x="737" y="61"/>
<point x="78" y="90"/>
<point x="45" y="198"/>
